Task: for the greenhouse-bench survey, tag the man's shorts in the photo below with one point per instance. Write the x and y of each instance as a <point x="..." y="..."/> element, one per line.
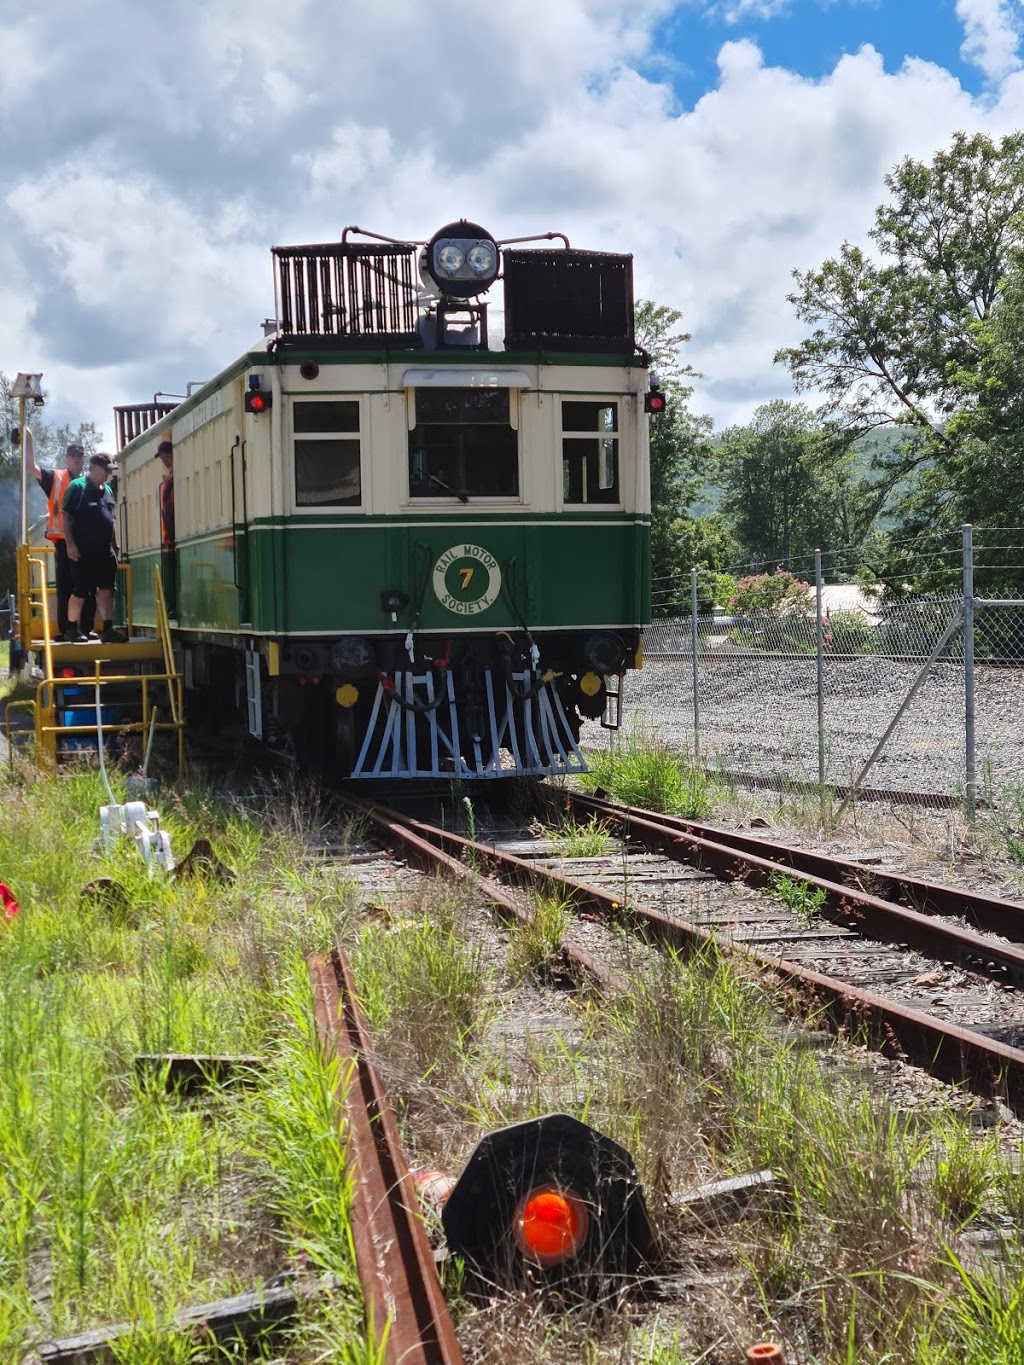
<point x="93" y="571"/>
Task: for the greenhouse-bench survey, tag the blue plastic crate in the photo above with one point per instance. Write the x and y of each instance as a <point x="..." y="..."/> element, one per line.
<point x="86" y="716"/>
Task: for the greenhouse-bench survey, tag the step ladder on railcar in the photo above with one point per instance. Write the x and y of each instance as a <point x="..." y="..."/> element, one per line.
<point x="95" y="689"/>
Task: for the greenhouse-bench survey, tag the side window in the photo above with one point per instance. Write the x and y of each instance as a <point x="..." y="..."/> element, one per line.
<point x="327" y="453"/>
<point x="590" y="452"/>
<point x="463" y="445"/>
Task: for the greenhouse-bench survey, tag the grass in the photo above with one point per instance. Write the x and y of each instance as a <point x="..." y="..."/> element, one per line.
<point x="858" y="1261"/>
<point x="591" y="839"/>
<point x="534" y="947"/>
<point x="645" y="773"/>
<point x="799" y="897"/>
<point x="119" y="1202"/>
<point x="424" y="985"/>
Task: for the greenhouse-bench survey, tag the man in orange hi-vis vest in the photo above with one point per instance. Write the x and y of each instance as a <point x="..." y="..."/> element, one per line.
<point x="54" y="483"/>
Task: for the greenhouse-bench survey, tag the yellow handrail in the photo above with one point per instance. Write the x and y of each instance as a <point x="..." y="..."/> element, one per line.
<point x="163" y="630"/>
<point x="45" y="605"/>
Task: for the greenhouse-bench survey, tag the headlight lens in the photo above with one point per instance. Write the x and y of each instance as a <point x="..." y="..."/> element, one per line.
<point x="481" y="258"/>
<point x="450" y="259"/>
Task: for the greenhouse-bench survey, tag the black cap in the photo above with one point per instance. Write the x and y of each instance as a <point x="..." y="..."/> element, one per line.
<point x="164" y="448"/>
<point x="107" y="461"/>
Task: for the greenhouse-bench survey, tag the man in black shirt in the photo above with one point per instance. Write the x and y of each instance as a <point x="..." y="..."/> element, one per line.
<point x="87" y="517"/>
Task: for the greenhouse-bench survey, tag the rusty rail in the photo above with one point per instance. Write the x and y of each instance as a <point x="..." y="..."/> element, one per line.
<point x="742" y="857"/>
<point x="952" y="1054"/>
<point x="990" y="913"/>
<point x="405" y="1306"/>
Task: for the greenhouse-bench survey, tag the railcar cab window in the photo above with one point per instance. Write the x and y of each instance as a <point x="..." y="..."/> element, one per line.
<point x="327" y="453"/>
<point x="590" y="452"/>
<point x="463" y="445"/>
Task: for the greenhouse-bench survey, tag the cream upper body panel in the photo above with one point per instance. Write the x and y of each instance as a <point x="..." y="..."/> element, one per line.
<point x="215" y="439"/>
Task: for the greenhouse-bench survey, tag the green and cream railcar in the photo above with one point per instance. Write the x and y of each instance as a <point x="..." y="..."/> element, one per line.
<point x="414" y="546"/>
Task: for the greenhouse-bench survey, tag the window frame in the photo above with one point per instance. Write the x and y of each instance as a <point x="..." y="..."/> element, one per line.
<point x="452" y="500"/>
<point x="295" y="401"/>
<point x="597" y="400"/>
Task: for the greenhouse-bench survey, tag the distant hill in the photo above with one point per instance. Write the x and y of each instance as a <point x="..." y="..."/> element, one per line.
<point x="883" y="442"/>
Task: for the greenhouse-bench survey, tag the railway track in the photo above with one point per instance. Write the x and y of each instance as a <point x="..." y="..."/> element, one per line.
<point x="405" y="1304"/>
<point x="866" y="964"/>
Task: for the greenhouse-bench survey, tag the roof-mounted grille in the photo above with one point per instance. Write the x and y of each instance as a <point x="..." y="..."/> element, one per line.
<point x="344" y="293"/>
<point x="133" y="419"/>
<point x="568" y="301"/>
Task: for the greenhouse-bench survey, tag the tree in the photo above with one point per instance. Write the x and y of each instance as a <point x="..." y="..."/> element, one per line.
<point x="681" y="453"/>
<point x="928" y="336"/>
<point x="786" y="479"/>
<point x="890" y="334"/>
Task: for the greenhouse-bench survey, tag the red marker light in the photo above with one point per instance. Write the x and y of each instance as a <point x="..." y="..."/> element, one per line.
<point x="654" y="402"/>
<point x="551" y="1226"/>
<point x="256" y="401"/>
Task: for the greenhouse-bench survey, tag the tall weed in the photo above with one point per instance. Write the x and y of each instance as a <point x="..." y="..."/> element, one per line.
<point x="646" y="773"/>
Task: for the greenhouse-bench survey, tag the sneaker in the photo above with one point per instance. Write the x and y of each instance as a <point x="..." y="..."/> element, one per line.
<point x="74" y="636"/>
<point x="114" y="637"/>
<point x="91" y="636"/>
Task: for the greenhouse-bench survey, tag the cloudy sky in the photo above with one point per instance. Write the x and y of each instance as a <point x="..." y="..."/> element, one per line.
<point x="152" y="154"/>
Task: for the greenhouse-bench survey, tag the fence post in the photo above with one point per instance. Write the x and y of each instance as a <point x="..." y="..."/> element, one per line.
<point x="819" y="635"/>
<point x="696" y="670"/>
<point x="971" y="785"/>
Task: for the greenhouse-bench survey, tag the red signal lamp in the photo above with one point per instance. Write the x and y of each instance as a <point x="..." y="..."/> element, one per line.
<point x="551" y="1226"/>
<point x="256" y="401"/>
<point x="655" y="402"/>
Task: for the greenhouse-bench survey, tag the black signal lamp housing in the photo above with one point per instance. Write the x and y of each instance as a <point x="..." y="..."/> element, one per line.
<point x="655" y="401"/>
<point x="462" y="259"/>
<point x="256" y="401"/>
<point x="608" y="1232"/>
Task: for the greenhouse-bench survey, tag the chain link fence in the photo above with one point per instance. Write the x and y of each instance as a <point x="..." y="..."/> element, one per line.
<point x="918" y="696"/>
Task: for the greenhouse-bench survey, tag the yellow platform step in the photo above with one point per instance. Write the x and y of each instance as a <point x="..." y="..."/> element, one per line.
<point x="129" y="651"/>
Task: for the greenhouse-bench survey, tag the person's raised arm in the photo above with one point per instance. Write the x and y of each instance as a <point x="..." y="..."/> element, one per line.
<point x="28" y="442"/>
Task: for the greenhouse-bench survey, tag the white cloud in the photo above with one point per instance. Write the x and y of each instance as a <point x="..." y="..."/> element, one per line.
<point x="992" y="33"/>
<point x="733" y="11"/>
<point x="138" y="214"/>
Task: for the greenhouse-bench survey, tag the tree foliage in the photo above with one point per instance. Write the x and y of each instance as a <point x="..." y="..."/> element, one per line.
<point x="892" y="331"/>
<point x="927" y="333"/>
<point x="779" y="591"/>
<point x="681" y="453"/>
<point x="787" y="481"/>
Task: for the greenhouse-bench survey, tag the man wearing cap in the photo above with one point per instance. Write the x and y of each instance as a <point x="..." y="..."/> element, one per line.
<point x="87" y="517"/>
<point x="55" y="483"/>
<point x="165" y="454"/>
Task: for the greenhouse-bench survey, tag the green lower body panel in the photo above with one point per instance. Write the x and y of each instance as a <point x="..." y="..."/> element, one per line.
<point x="378" y="576"/>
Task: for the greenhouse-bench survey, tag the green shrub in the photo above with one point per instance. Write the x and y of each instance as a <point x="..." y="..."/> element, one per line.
<point x="849" y="632"/>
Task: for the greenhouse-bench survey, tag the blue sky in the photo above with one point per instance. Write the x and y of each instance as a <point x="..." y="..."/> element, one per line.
<point x="153" y="154"/>
<point x="809" y="37"/>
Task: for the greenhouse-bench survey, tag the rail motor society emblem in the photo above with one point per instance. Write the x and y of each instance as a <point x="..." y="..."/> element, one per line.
<point x="467" y="579"/>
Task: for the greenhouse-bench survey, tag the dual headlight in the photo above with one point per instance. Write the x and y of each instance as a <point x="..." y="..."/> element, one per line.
<point x="452" y="260"/>
<point x="462" y="259"/>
